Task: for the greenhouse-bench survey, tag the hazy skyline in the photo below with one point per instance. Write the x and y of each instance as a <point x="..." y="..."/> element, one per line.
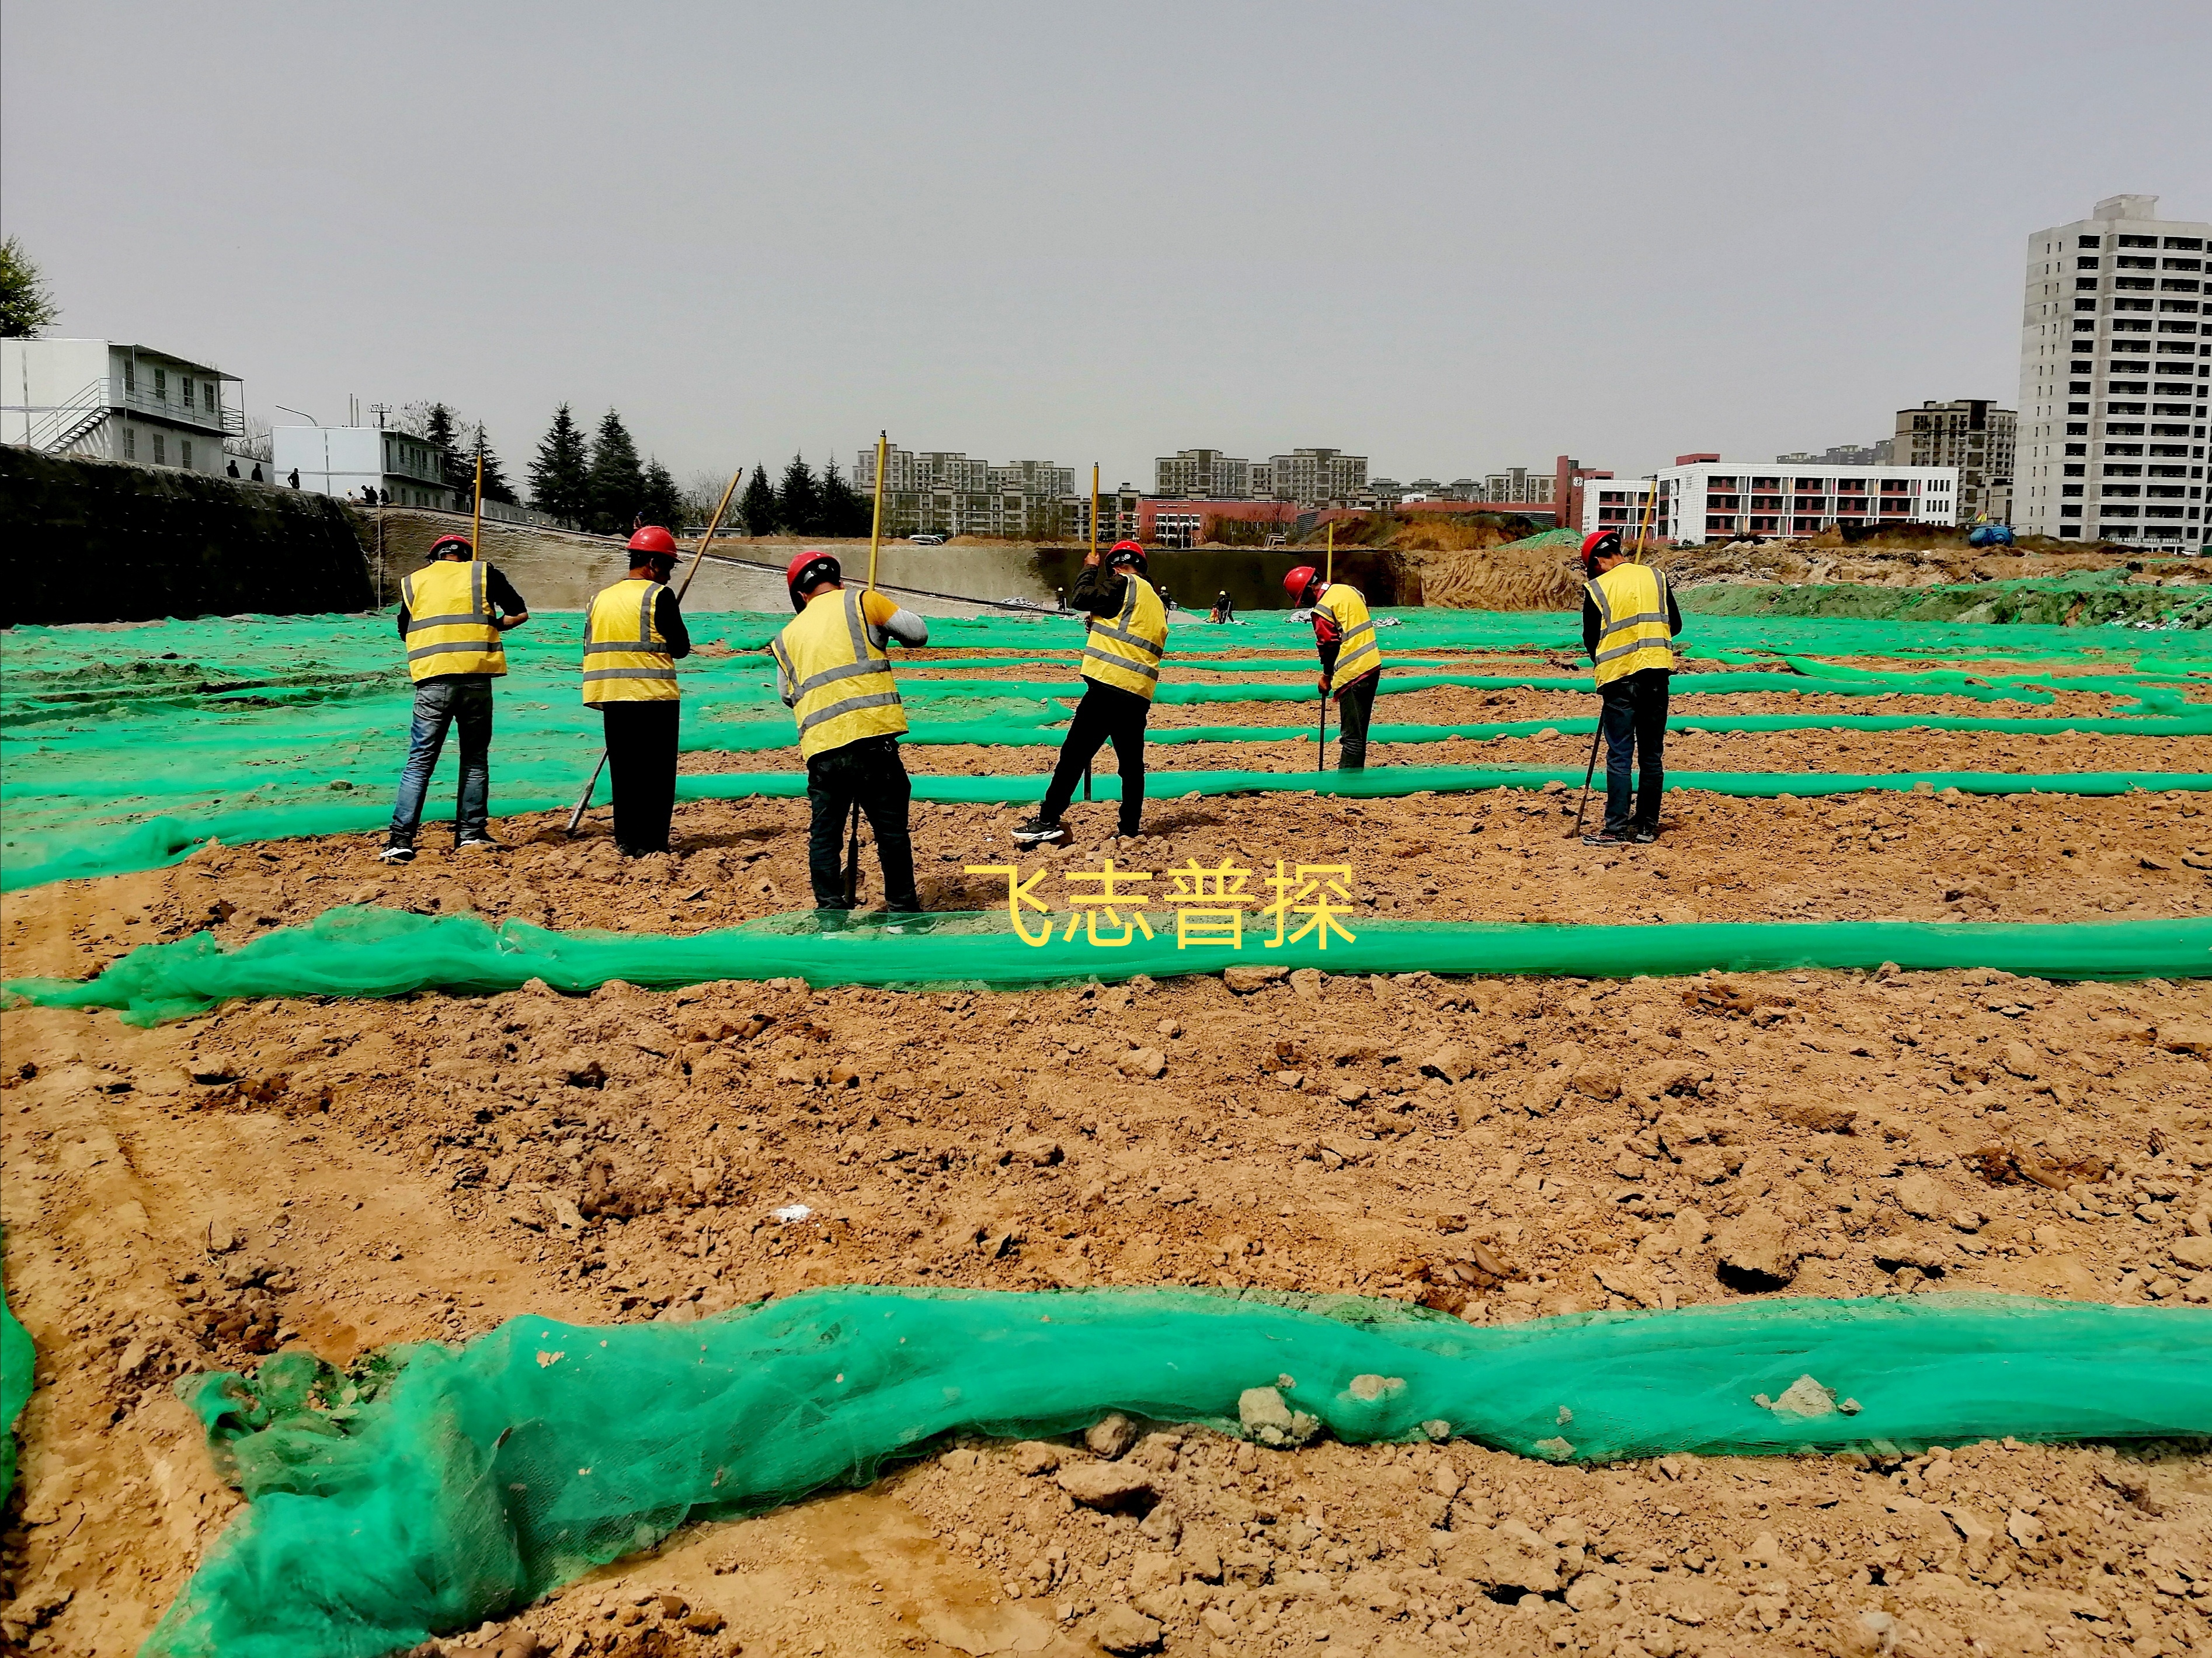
<point x="1452" y="239"/>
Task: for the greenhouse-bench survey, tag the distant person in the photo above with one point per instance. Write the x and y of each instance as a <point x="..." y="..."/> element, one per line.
<point x="1129" y="635"/>
<point x="1630" y="619"/>
<point x="453" y="613"/>
<point x="1350" y="661"/>
<point x="1225" y="609"/>
<point x="634" y="637"/>
<point x="258" y="479"/>
<point x="294" y="479"/>
<point x="232" y="469"/>
<point x="834" y="673"/>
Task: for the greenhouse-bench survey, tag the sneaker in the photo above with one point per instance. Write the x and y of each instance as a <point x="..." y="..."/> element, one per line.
<point x="1644" y="836"/>
<point x="476" y="843"/>
<point x="398" y="852"/>
<point x="1605" y="838"/>
<point x="1039" y="830"/>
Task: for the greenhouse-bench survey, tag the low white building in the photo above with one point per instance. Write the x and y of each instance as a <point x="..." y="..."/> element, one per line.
<point x="108" y="401"/>
<point x="343" y="460"/>
<point x="1726" y="500"/>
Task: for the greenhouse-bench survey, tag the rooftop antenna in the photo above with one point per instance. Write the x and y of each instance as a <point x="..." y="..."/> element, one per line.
<point x="379" y="409"/>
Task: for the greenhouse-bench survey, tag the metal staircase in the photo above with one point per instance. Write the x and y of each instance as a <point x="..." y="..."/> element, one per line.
<point x="63" y="425"/>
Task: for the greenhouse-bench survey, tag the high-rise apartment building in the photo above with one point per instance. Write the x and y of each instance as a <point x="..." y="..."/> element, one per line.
<point x="1312" y="477"/>
<point x="1202" y="474"/>
<point x="1972" y="434"/>
<point x="948" y="492"/>
<point x="2114" y="369"/>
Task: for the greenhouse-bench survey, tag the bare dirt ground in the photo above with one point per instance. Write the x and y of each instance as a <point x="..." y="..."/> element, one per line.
<point x="346" y="1175"/>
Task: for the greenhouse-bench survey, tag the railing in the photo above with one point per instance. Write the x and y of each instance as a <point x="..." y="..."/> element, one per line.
<point x="71" y="421"/>
<point x="223" y="418"/>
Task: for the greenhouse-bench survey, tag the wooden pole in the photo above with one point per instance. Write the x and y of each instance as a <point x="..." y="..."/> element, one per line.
<point x="1094" y="553"/>
<point x="1328" y="570"/>
<point x="876" y="531"/>
<point x="476" y="527"/>
<point x="584" y="801"/>
<point x="713" y="525"/>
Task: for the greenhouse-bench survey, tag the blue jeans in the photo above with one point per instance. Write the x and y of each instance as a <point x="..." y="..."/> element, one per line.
<point x="438" y="702"/>
<point x="1634" y="721"/>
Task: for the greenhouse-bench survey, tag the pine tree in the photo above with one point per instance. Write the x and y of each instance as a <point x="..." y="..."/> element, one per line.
<point x="496" y="486"/>
<point x="26" y="304"/>
<point x="438" y="427"/>
<point x="662" y="501"/>
<point x="799" y="499"/>
<point x="758" y="505"/>
<point x="845" y="511"/>
<point x="618" y="484"/>
<point x="559" y="474"/>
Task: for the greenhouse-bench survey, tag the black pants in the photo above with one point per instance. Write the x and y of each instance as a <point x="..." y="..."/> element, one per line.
<point x="871" y="772"/>
<point x="1105" y="715"/>
<point x="1634" y="721"/>
<point x="1355" y="707"/>
<point x="641" y="760"/>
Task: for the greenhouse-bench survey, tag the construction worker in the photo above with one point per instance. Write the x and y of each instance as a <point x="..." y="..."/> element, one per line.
<point x="1628" y="622"/>
<point x="1127" y="635"/>
<point x="633" y="636"/>
<point x="453" y="613"/>
<point x="835" y="674"/>
<point x="1350" y="661"/>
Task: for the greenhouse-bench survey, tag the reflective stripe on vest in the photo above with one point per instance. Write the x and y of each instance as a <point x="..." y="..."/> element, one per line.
<point x="450" y="627"/>
<point x="626" y="657"/>
<point x="841" y="679"/>
<point x="1633" y="633"/>
<point x="1357" y="652"/>
<point x="1125" y="653"/>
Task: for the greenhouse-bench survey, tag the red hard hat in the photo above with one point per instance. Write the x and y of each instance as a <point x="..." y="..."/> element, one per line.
<point x="653" y="539"/>
<point x="1126" y="552"/>
<point x="1298" y="580"/>
<point x="810" y="569"/>
<point x="444" y="542"/>
<point x="1600" y="543"/>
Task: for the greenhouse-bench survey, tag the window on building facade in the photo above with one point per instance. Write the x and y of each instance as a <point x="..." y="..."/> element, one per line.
<point x="160" y="448"/>
<point x="130" y="374"/>
<point x="162" y="383"/>
<point x="184" y="453"/>
<point x="130" y="443"/>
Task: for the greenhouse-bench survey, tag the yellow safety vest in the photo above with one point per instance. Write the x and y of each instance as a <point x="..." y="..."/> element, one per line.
<point x="1357" y="652"/>
<point x="626" y="658"/>
<point x="450" y="627"/>
<point x="841" y="678"/>
<point x="1631" y="619"/>
<point x="1125" y="652"/>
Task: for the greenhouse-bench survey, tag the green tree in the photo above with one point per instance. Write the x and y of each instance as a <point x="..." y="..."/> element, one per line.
<point x="496" y="486"/>
<point x="799" y="499"/>
<point x="845" y="511"/>
<point x="758" y="505"/>
<point x="662" y="503"/>
<point x="617" y="485"/>
<point x="26" y="303"/>
<point x="560" y="474"/>
<point x="440" y="427"/>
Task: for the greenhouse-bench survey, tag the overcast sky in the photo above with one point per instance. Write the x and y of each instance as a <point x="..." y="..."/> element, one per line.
<point x="1449" y="237"/>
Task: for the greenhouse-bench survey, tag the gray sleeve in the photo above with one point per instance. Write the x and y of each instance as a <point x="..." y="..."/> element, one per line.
<point x="908" y="628"/>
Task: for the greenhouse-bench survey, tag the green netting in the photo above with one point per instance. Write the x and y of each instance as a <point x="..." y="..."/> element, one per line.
<point x="474" y="1481"/>
<point x="297" y="725"/>
<point x="360" y="951"/>
<point x="18" y="1362"/>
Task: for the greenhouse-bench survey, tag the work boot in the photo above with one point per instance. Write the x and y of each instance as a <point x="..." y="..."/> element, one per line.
<point x="1352" y="754"/>
<point x="398" y="852"/>
<point x="478" y="842"/>
<point x="1040" y="831"/>
<point x="1606" y="838"/>
<point x="1644" y="833"/>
